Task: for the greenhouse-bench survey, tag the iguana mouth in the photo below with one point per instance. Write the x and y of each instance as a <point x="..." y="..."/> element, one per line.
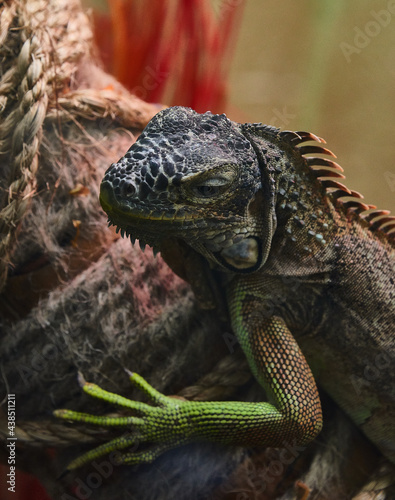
<point x="124" y="216"/>
<point x="147" y="226"/>
<point x="132" y="223"/>
<point x="151" y="226"/>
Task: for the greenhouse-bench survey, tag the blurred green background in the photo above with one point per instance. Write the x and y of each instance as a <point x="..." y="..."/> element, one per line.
<point x="327" y="67"/>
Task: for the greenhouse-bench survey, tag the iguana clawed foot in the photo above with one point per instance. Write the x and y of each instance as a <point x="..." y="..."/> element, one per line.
<point x="160" y="425"/>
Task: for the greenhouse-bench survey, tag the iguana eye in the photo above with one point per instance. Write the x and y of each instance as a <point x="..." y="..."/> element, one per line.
<point x="210" y="187"/>
<point x="206" y="191"/>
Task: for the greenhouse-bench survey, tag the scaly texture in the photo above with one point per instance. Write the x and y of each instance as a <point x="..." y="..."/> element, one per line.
<point x="300" y="259"/>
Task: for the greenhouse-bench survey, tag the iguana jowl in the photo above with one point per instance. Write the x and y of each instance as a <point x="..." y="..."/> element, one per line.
<point x="300" y="258"/>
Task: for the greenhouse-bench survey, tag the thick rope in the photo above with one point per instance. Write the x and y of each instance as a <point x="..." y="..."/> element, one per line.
<point x="40" y="42"/>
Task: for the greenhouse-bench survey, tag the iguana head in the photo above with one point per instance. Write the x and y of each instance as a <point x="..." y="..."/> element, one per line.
<point x="193" y="177"/>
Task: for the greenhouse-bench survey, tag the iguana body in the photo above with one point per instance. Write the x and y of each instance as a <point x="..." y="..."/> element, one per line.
<point x="299" y="264"/>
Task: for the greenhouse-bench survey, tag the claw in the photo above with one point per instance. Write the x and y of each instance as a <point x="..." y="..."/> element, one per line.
<point x="81" y="380"/>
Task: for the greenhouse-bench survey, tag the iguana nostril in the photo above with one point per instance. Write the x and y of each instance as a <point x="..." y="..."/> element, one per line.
<point x="128" y="189"/>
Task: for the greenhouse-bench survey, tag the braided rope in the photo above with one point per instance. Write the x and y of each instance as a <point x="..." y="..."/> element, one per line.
<point x="40" y="44"/>
<point x="20" y="137"/>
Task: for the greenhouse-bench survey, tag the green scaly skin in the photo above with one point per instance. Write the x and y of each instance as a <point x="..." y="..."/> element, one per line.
<point x="296" y="259"/>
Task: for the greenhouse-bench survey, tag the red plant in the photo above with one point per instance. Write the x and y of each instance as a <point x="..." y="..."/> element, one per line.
<point x="168" y="51"/>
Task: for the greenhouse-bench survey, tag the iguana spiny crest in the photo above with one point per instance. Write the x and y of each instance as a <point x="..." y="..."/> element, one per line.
<point x="226" y="187"/>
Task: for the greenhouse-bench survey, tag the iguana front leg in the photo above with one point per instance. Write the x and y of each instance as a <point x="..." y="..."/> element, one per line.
<point x="293" y="415"/>
<point x="279" y="366"/>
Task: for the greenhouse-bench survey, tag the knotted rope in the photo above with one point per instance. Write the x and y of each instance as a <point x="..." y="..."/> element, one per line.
<point x="38" y="49"/>
<point x="42" y="44"/>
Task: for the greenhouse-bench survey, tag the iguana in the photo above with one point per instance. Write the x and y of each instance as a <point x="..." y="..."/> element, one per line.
<point x="304" y="264"/>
